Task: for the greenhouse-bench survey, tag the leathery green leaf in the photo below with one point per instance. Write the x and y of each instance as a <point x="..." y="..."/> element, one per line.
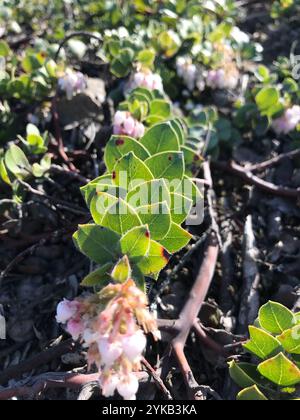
<point x="280" y="370"/>
<point x="168" y="165"/>
<point x="136" y="243"/>
<point x="161" y="138"/>
<point x="121" y="217"/>
<point x="157" y="217"/>
<point x="176" y="239"/>
<point x="98" y="243"/>
<point x="156" y="260"/>
<point x="119" y="146"/>
<point x="131" y="171"/>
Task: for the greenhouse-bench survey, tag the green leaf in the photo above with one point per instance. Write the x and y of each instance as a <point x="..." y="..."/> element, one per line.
<point x="157" y="217"/>
<point x="136" y="243"/>
<point x="122" y="270"/>
<point x="267" y="99"/>
<point x="193" y="160"/>
<point x="151" y="192"/>
<point x="139" y="278"/>
<point x="119" y="146"/>
<point x="262" y="344"/>
<point x="251" y="394"/>
<point x="3" y="172"/>
<point x="168" y="165"/>
<point x="161" y="108"/>
<point x="99" y="205"/>
<point x="244" y="374"/>
<point x="99" y="277"/>
<point x="188" y="189"/>
<point x="180" y="208"/>
<point x="4" y="49"/>
<point x="156" y="260"/>
<point x="16" y="162"/>
<point x="146" y="57"/>
<point x="178" y="127"/>
<point x="121" y="217"/>
<point x="131" y="171"/>
<point x="263" y="74"/>
<point x="122" y="64"/>
<point x="276" y="318"/>
<point x="290" y="340"/>
<point x="34" y="139"/>
<point x="161" y="138"/>
<point x="98" y="243"/>
<point x="176" y="239"/>
<point x="280" y="370"/>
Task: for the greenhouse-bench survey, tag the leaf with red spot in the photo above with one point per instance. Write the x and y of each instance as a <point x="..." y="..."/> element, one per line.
<point x="168" y="165"/>
<point x="119" y="146"/>
<point x="136" y="243"/>
<point x="158" y="257"/>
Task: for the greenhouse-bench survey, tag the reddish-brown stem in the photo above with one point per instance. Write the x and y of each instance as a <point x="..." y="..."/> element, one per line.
<point x="191" y="309"/>
<point x="157" y="379"/>
<point x="208" y="341"/>
<point x="59" y="138"/>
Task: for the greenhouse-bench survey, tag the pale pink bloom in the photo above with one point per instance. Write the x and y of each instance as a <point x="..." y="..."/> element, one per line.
<point x="128" y="387"/>
<point x="146" y="79"/>
<point x="139" y="130"/>
<point x="139" y="79"/>
<point x="129" y="125"/>
<point x="120" y="118"/>
<point x="108" y="384"/>
<point x="75" y="328"/>
<point x="288" y="121"/>
<point x="72" y="83"/>
<point x="220" y="79"/>
<point x="216" y="79"/>
<point x="134" y="345"/>
<point x="66" y="310"/>
<point x="125" y="124"/>
<point x="109" y="351"/>
<point x="188" y="71"/>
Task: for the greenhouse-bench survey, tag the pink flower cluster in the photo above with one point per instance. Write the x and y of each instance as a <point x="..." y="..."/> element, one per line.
<point x="221" y="79"/>
<point x="72" y="83"/>
<point x="125" y="124"/>
<point x="112" y="326"/>
<point x="288" y="121"/>
<point x="145" y="79"/>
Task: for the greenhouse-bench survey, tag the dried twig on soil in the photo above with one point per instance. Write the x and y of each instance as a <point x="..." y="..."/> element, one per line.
<point x="43" y="358"/>
<point x="251" y="179"/>
<point x="55" y="169"/>
<point x="36" y="385"/>
<point x="61" y="203"/>
<point x="259" y="167"/>
<point x="250" y="298"/>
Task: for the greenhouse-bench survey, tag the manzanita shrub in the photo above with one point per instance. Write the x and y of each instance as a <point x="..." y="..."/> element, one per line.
<point x="274" y="373"/>
<point x="138" y="207"/>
